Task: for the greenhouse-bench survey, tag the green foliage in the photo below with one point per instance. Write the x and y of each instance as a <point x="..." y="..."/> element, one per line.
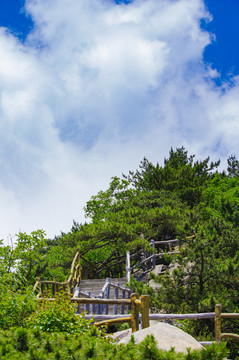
<point x="174" y="200"/>
<point x="6" y="257"/>
<point x="58" y="316"/>
<point x="233" y="166"/>
<point x="28" y="254"/>
<point x="25" y="344"/>
<point x="128" y="224"/>
<point x="15" y="307"/>
<point x="180" y="174"/>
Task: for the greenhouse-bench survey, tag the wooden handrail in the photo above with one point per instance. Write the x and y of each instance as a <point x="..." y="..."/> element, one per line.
<point x="120" y="287"/>
<point x="218" y="323"/>
<point x="230" y="336"/>
<point x="74" y="277"/>
<point x="165" y="242"/>
<point x="152" y="256"/>
<point x="101" y="301"/>
<point x="114" y="321"/>
<point x="230" y="315"/>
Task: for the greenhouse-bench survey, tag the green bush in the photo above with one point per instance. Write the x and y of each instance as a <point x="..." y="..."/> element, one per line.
<point x="24" y="344"/>
<point x="15" y="307"/>
<point x="59" y="316"/>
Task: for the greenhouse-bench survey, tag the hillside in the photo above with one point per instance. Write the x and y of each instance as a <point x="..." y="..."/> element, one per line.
<point x="185" y="196"/>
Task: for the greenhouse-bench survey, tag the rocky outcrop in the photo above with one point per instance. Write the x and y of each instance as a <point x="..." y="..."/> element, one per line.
<point x="166" y="336"/>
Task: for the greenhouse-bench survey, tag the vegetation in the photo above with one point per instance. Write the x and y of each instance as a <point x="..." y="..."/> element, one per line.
<point x="182" y="197"/>
<point x="33" y="344"/>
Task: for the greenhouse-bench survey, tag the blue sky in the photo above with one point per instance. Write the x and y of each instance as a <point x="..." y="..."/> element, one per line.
<point x="223" y="53"/>
<point x="90" y="87"/>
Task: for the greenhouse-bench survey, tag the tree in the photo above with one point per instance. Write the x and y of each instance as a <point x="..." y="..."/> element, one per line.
<point x="232" y="166"/>
<point x="29" y="255"/>
<point x="180" y="174"/>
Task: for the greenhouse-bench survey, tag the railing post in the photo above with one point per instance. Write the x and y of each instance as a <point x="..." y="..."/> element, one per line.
<point x="145" y="310"/>
<point x="128" y="296"/>
<point x="90" y="305"/>
<point x="134" y="312"/>
<point x="116" y="297"/>
<point x="80" y="268"/>
<point x="152" y="243"/>
<point x="54" y="287"/>
<point x="42" y="289"/>
<point x="102" y="295"/>
<point x="127" y="272"/>
<point x="107" y="295"/>
<point x="218" y="320"/>
<point x="98" y="306"/>
<point x="70" y="286"/>
<point x="87" y="306"/>
<point x="122" y="306"/>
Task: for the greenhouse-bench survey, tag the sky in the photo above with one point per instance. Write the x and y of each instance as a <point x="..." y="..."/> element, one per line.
<point x="88" y="88"/>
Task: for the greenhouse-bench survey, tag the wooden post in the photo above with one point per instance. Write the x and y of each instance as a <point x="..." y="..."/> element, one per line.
<point x="90" y="305"/>
<point x="122" y="306"/>
<point x="39" y="284"/>
<point x="87" y="306"/>
<point x="134" y="312"/>
<point x="129" y="306"/>
<point x="116" y="297"/>
<point x="54" y="287"/>
<point x="153" y="259"/>
<point x="218" y="310"/>
<point x="145" y="310"/>
<point x="127" y="273"/>
<point x="98" y="306"/>
<point x="80" y="269"/>
<point x="107" y="295"/>
<point x="70" y="286"/>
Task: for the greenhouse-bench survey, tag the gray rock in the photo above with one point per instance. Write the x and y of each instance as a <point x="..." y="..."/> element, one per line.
<point x="166" y="336"/>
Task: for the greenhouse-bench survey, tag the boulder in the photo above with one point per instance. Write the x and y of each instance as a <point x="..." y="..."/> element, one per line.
<point x="166" y="336"/>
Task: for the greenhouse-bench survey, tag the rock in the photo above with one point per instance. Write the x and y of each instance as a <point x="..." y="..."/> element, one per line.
<point x="166" y="336"/>
<point x="121" y="334"/>
<point x="158" y="269"/>
<point x="154" y="285"/>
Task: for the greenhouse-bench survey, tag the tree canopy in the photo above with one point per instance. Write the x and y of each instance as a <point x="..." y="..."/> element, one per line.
<point x="184" y="196"/>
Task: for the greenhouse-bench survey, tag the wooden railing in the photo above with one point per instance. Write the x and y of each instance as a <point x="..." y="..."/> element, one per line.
<point x="218" y="321"/>
<point x="104" y="294"/>
<point x="150" y="261"/>
<point x="50" y="288"/>
<point x="217" y="316"/>
<point x="135" y="302"/>
<point x="75" y="274"/>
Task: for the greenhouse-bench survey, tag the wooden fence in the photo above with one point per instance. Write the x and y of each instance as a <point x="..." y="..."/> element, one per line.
<point x="135" y="302"/>
<point x="93" y="308"/>
<point x="218" y="322"/>
<point x="146" y="316"/>
<point x="150" y="261"/>
<point x="47" y="287"/>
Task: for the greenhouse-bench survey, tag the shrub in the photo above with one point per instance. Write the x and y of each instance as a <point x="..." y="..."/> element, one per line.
<point x="59" y="316"/>
<point x="15" y="307"/>
<point x="24" y="344"/>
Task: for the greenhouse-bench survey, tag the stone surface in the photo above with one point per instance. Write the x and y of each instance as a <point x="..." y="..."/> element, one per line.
<point x="167" y="336"/>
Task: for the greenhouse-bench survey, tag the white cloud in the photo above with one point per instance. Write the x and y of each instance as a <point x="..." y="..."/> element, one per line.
<point x="95" y="88"/>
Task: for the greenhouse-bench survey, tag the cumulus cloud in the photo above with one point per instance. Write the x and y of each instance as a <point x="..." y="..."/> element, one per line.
<point x="94" y="88"/>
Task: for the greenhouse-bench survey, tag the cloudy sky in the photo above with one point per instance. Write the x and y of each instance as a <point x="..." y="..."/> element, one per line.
<point x="90" y="87"/>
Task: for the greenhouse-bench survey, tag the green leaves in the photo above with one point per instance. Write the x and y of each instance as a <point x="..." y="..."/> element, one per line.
<point x="28" y="254"/>
<point x="58" y="316"/>
<point x="22" y="344"/>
